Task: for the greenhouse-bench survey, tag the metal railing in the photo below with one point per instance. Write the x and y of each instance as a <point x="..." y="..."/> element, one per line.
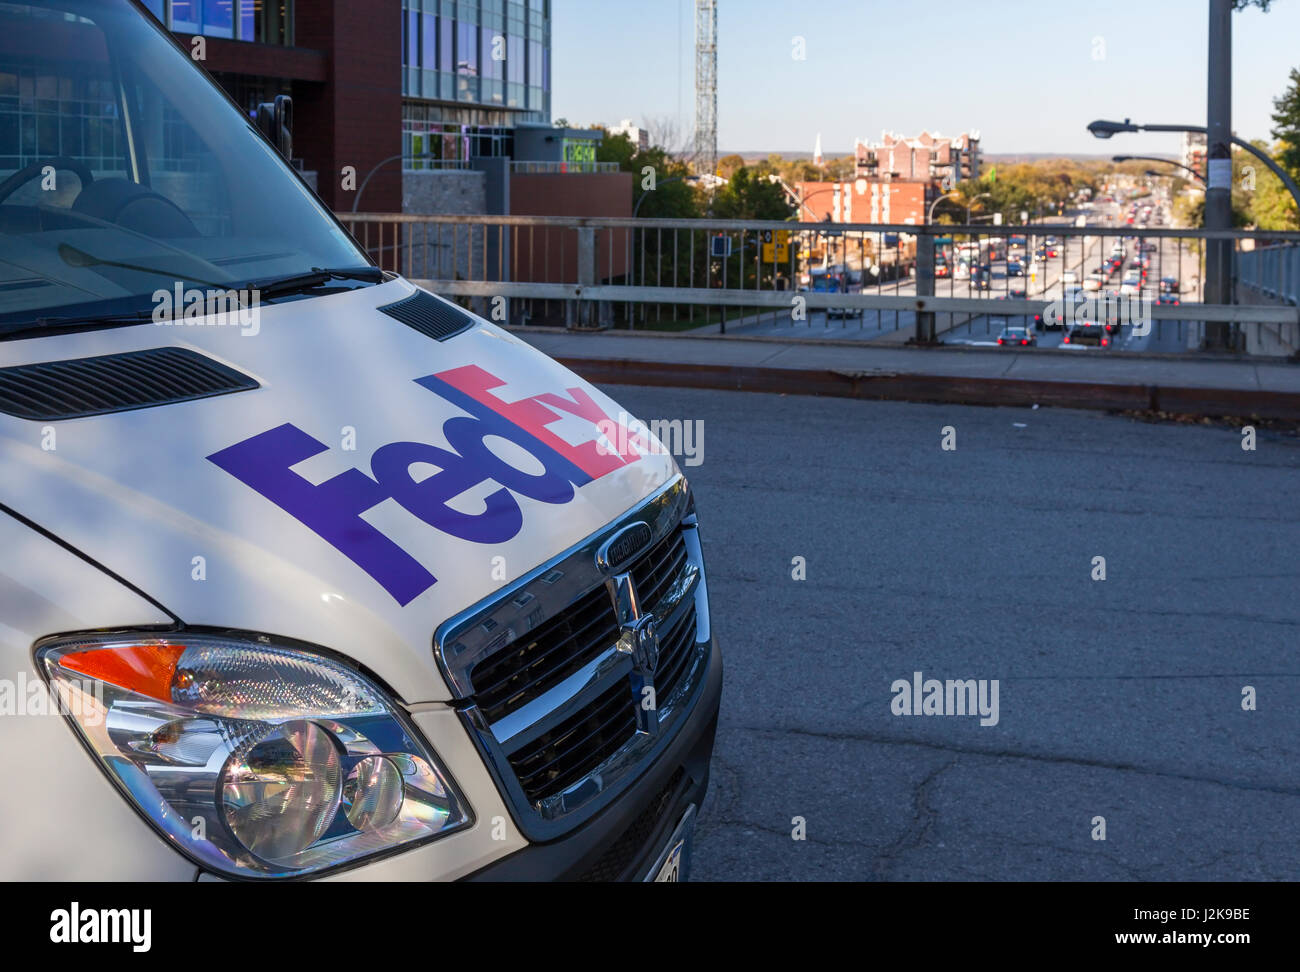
<point x="906" y="284"/>
<point x="561" y="168"/>
<point x="1272" y="270"/>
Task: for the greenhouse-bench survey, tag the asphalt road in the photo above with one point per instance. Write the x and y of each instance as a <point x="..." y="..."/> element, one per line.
<point x="1119" y="698"/>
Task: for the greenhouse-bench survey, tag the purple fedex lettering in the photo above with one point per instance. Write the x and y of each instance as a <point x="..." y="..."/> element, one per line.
<point x="333" y="509"/>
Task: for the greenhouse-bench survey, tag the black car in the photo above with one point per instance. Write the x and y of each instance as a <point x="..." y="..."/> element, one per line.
<point x="1087" y="334"/>
<point x="1016" y="336"/>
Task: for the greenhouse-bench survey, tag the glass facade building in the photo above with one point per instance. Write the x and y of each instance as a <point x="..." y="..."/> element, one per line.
<point x="471" y="70"/>
<point x="261" y="21"/>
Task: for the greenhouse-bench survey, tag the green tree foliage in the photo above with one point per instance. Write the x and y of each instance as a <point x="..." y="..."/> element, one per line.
<point x="729" y="164"/>
<point x="1286" y="122"/>
<point x="750" y="196"/>
<point x="672" y="197"/>
<point x="1270" y="206"/>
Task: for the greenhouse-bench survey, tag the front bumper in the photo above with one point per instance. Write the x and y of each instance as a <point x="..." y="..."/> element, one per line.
<point x="623" y="841"/>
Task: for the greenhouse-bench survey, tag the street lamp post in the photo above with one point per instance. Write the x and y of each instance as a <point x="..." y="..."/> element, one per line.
<point x="1217" y="284"/>
<point x="982" y="195"/>
<point x="1105" y="129"/>
<point x="1153" y="158"/>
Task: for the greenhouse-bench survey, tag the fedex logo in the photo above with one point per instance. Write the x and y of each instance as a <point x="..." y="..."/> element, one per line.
<point x="334" y="508"/>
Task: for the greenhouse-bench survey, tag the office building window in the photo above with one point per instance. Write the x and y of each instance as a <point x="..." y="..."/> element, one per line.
<point x="535" y="64"/>
<point x="411" y="39"/>
<point x="429" y="39"/>
<point x="515" y="60"/>
<point x="493" y="60"/>
<point x="467" y="49"/>
<point x="445" y="62"/>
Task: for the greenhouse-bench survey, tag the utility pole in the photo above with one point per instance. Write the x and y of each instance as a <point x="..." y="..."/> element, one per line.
<point x="1218" y="164"/>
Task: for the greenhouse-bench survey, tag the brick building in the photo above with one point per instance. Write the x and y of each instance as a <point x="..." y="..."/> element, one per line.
<point x="864" y="200"/>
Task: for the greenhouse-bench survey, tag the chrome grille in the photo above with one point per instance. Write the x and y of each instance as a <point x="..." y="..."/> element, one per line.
<point x="554" y="669"/>
<point x="527" y="668"/>
<point x="656" y="569"/>
<point x="573" y="748"/>
<point x="675" y="655"/>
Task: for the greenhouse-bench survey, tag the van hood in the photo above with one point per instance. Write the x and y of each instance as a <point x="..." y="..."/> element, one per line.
<point x="375" y="483"/>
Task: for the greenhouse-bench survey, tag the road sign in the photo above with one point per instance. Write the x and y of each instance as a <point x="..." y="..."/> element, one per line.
<point x="720" y="246"/>
<point x="776" y="246"/>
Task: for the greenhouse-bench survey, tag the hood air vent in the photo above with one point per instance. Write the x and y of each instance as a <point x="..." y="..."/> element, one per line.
<point x="430" y="316"/>
<point x="52" y="390"/>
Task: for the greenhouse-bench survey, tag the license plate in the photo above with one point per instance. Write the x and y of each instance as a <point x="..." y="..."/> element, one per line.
<point x="671" y="870"/>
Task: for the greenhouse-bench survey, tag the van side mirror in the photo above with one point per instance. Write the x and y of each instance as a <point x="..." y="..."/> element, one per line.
<point x="275" y="120"/>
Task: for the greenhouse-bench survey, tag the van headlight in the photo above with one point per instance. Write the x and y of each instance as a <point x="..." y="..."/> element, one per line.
<point x="255" y="759"/>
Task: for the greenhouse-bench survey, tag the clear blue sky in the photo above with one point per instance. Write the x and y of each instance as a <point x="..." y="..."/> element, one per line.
<point x="1023" y="73"/>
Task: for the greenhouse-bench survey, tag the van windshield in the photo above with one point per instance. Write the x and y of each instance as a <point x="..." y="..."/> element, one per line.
<point x="124" y="171"/>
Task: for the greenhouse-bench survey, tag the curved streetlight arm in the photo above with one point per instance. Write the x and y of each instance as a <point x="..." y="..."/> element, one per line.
<point x="948" y="196"/>
<point x="1154" y="158"/>
<point x="356" y="201"/>
<point x="662" y="182"/>
<point x="1104" y="129"/>
<point x="813" y="195"/>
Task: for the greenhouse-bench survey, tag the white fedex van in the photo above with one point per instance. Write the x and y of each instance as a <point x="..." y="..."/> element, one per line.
<point x="304" y="572"/>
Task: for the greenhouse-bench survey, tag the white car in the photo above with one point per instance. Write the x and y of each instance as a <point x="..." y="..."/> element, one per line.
<point x="307" y="571"/>
<point x="1069" y="277"/>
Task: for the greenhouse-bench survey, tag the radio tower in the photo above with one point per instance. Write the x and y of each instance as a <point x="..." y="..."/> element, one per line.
<point x="706" y="86"/>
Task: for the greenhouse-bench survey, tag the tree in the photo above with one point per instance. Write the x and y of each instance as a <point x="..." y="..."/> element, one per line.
<point x="748" y="196"/>
<point x="728" y="164"/>
<point x="1286" y="119"/>
<point x="672" y="197"/>
<point x="1271" y="206"/>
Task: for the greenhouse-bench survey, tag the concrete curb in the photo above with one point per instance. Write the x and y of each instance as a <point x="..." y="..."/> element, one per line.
<point x="896" y="386"/>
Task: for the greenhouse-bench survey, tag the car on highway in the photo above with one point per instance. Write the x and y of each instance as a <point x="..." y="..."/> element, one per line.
<point x="311" y="572"/>
<point x="1069" y="277"/>
<point x="1165" y="297"/>
<point x="1131" y="285"/>
<point x="1094" y="281"/>
<point x="1015" y="335"/>
<point x="837" y="279"/>
<point x="1169" y="285"/>
<point x="1086" y="334"/>
<point x="981" y="278"/>
<point x="1015" y="268"/>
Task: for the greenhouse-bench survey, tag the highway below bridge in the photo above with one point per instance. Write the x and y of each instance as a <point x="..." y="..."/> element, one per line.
<point x="1120" y="701"/>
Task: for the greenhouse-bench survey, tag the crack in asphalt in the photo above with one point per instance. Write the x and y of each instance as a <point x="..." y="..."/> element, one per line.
<point x="989" y="753"/>
<point x="914" y="834"/>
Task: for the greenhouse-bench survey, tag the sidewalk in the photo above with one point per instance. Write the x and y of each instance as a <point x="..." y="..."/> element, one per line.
<point x="1184" y="383"/>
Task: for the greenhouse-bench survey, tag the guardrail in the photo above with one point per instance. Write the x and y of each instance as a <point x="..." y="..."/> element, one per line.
<point x="561" y="168"/>
<point x="957" y="284"/>
<point x="1272" y="270"/>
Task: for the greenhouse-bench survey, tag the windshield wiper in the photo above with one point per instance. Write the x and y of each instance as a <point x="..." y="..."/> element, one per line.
<point x="74" y="257"/>
<point x="299" y="282"/>
<point x="17" y="329"/>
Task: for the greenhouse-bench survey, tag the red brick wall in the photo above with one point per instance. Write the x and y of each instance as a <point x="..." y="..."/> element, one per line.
<point x="554" y="251"/>
<point x="355" y="117"/>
